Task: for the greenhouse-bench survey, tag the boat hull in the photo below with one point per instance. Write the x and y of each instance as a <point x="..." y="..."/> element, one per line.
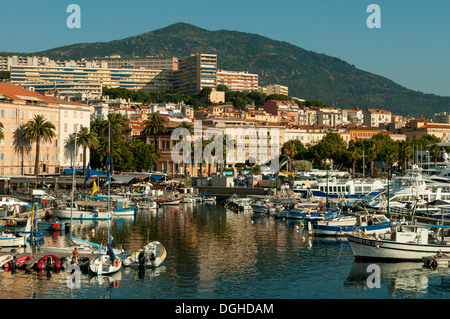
<point x="373" y="249"/>
<point x="81" y="215"/>
<point x="342" y="230"/>
<point x="103" y="266"/>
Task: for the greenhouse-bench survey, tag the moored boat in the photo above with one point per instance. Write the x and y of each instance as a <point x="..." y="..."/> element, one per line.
<point x="151" y="255"/>
<point x="48" y="262"/>
<point x="105" y="264"/>
<point x="169" y="201"/>
<point x="402" y="243"/>
<point x="368" y="223"/>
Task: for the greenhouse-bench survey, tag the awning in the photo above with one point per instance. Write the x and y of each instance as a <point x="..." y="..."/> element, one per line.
<point x="157" y="177"/>
<point x="122" y="179"/>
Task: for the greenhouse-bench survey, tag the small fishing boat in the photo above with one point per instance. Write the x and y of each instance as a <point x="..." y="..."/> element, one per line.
<point x="370" y="224"/>
<point x="105" y="264"/>
<point x="402" y="243"/>
<point x="151" y="255"/>
<point x="304" y="214"/>
<point x="169" y="201"/>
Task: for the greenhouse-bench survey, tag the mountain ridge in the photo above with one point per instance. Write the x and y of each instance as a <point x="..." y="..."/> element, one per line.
<point x="309" y="75"/>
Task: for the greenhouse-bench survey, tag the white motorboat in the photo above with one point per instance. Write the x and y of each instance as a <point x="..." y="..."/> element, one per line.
<point x="16" y="239"/>
<point x="402" y="243"/>
<point x="86" y="210"/>
<point x="151" y="255"/>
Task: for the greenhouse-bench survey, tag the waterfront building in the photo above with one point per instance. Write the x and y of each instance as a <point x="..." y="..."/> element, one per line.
<point x="355" y="117"/>
<point x="362" y="132"/>
<point x="313" y="134"/>
<point x="17" y="156"/>
<point x="7" y="61"/>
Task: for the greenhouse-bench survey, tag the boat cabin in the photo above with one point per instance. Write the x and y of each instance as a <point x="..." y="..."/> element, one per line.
<point x="370" y="220"/>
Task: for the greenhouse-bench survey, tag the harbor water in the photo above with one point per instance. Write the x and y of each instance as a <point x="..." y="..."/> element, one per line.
<point x="215" y="253"/>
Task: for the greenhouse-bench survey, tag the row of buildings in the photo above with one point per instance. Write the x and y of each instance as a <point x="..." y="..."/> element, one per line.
<point x="83" y="80"/>
<point x="55" y="88"/>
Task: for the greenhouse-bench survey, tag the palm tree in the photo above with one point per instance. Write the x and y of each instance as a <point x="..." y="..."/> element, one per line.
<point x="86" y="139"/>
<point x="39" y="129"/>
<point x="289" y="150"/>
<point x="405" y="152"/>
<point x="435" y="152"/>
<point x="354" y="155"/>
<point x="190" y="128"/>
<point x="116" y="123"/>
<point x="155" y="125"/>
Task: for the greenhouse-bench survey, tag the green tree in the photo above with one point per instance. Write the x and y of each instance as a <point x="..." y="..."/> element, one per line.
<point x="115" y="125"/>
<point x="86" y="139"/>
<point x="155" y="125"/>
<point x="39" y="129"/>
<point x="354" y="154"/>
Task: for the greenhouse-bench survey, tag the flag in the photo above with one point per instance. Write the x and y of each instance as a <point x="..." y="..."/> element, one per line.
<point x="33" y="216"/>
<point x="108" y="171"/>
<point x="88" y="173"/>
<point x="94" y="189"/>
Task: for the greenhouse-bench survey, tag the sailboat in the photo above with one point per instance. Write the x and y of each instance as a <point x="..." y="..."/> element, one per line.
<point x="109" y="263"/>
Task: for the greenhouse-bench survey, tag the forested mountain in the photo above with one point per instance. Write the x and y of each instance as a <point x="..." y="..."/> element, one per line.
<point x="308" y="75"/>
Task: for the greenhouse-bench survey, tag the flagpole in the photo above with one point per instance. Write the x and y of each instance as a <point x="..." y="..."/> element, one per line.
<point x="73" y="179"/>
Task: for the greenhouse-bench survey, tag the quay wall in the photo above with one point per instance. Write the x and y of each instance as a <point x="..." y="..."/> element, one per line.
<point x="225" y="192"/>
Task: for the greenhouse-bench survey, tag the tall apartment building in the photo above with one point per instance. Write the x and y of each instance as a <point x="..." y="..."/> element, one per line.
<point x="238" y="80"/>
<point x="158" y="62"/>
<point x="147" y="80"/>
<point x="196" y="72"/>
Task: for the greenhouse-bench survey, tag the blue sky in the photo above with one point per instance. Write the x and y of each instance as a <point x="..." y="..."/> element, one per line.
<point x="412" y="47"/>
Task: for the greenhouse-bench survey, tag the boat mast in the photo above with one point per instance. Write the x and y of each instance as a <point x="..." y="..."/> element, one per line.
<point x="74" y="157"/>
<point x="109" y="184"/>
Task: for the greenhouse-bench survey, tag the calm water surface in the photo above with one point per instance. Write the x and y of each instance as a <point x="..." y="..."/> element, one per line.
<point x="214" y="253"/>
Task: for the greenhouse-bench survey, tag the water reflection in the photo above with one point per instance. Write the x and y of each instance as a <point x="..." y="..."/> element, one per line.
<point x="217" y="253"/>
<point x="402" y="279"/>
